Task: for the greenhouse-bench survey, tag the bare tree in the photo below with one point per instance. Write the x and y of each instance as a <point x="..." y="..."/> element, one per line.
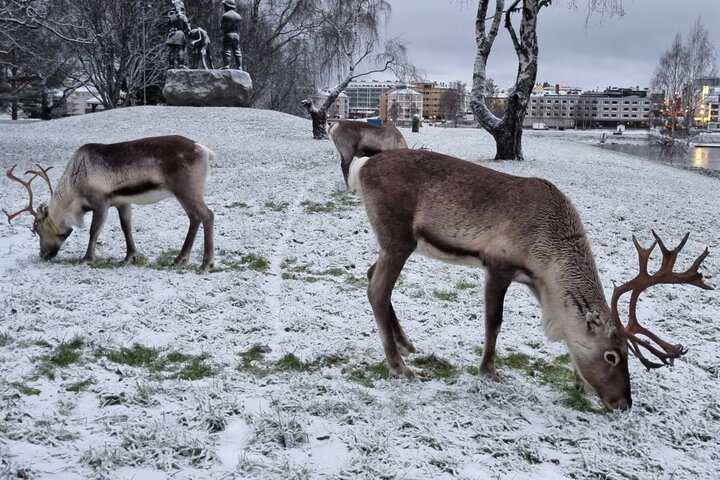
<point x="686" y="61"/>
<point x="114" y="62"/>
<point x="452" y="100"/>
<point x="348" y="42"/>
<point x="507" y="130"/>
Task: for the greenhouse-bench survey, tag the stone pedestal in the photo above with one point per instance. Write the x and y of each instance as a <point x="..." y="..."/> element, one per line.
<point x="207" y="88"/>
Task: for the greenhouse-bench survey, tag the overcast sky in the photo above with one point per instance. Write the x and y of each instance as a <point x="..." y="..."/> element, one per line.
<point x="620" y="51"/>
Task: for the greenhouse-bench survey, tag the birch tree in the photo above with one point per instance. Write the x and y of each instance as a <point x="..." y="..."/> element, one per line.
<point x="348" y="43"/>
<point x="507" y="130"/>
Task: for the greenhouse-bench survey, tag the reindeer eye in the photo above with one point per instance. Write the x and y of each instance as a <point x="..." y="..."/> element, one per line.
<point x="612" y="358"/>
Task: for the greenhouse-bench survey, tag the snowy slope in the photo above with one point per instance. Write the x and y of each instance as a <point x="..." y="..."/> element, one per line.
<point x="292" y="249"/>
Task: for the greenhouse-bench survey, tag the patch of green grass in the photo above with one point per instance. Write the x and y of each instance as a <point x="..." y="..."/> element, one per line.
<point x="315" y="207"/>
<point x="166" y="258"/>
<point x="79" y="386"/>
<point x="345" y="198"/>
<point x="24" y="388"/>
<point x="354" y="282"/>
<point x="445" y="296"/>
<point x="255" y="262"/>
<point x="135" y="356"/>
<point x="238" y="205"/>
<point x="276" y="206"/>
<point x="253" y="362"/>
<point x="367" y="375"/>
<point x="194" y="368"/>
<point x="517" y="361"/>
<point x="555" y="373"/>
<point x="465" y="285"/>
<point x="436" y="367"/>
<point x="180" y="365"/>
<point x="65" y="354"/>
<point x="289" y="363"/>
<point x="304" y="271"/>
<point x="5" y="339"/>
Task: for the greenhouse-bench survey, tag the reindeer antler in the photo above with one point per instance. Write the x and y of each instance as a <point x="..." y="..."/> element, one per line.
<point x="25" y="184"/>
<point x="42" y="174"/>
<point x="664" y="275"/>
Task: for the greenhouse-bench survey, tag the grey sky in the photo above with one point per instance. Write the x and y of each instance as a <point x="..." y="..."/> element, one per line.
<point x="621" y="51"/>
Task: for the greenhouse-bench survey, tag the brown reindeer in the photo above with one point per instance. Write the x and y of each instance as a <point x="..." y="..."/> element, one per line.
<point x="361" y="139"/>
<point x="100" y="176"/>
<point x="520" y="230"/>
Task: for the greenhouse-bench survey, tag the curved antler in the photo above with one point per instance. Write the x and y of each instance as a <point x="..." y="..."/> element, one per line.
<point x="664" y="275"/>
<point x="25" y="184"/>
<point x="42" y="174"/>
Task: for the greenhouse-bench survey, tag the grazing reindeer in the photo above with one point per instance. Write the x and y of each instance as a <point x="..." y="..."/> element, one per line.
<point x="360" y="139"/>
<point x="100" y="176"/>
<point x="519" y="229"/>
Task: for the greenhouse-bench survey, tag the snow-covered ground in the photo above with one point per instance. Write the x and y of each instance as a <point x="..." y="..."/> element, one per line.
<point x="270" y="367"/>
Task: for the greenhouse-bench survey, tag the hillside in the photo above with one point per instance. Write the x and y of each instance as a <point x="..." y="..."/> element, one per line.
<point x="271" y="366"/>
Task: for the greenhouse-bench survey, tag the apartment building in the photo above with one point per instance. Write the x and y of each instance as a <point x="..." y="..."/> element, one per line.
<point x="612" y="107"/>
<point x="400" y="104"/>
<point x="364" y="96"/>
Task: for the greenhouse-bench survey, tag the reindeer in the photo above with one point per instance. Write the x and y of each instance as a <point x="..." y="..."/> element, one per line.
<point x="100" y="176"/>
<point x="519" y="230"/>
<point x="358" y="139"/>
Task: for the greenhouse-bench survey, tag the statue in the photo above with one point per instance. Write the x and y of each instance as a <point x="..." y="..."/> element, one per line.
<point x="230" y="25"/>
<point x="178" y="26"/>
<point x="200" y="49"/>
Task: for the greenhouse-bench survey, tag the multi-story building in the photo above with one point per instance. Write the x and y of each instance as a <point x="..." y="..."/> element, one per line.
<point x="364" y="96"/>
<point x="432" y="93"/>
<point x="612" y="107"/>
<point x="400" y="104"/>
<point x="708" y="108"/>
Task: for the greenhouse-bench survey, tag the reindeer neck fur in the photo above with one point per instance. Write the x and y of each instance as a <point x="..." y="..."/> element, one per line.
<point x="66" y="209"/>
<point x="570" y="289"/>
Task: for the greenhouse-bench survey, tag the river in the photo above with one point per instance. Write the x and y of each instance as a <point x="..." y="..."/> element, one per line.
<point x="701" y="157"/>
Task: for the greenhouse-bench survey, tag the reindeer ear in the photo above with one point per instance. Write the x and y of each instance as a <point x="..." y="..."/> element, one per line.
<point x="593" y="320"/>
<point x="42" y="210"/>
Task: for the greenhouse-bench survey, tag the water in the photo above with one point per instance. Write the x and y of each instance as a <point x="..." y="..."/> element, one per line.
<point x="707" y="158"/>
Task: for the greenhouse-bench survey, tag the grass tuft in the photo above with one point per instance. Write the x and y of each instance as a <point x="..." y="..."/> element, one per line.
<point x="24" y="388"/>
<point x="80" y="386"/>
<point x="180" y="365"/>
<point x="276" y="206"/>
<point x="436" y="367"/>
<point x="5" y="339"/>
<point x="445" y="296"/>
<point x="367" y="375"/>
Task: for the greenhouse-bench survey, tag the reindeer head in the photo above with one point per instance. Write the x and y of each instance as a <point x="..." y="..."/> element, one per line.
<point x="50" y="238"/>
<point x="609" y="378"/>
<point x="600" y="357"/>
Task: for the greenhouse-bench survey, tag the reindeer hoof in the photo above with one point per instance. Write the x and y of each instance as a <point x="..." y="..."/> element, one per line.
<point x="131" y="258"/>
<point x="489" y="372"/>
<point x="88" y="260"/>
<point x="180" y="260"/>
<point x="402" y="371"/>
<point x="206" y="267"/>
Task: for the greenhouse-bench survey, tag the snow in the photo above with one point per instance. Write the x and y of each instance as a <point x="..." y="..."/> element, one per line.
<point x="133" y="423"/>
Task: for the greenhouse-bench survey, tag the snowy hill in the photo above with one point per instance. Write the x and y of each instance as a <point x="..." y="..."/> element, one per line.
<point x="271" y="366"/>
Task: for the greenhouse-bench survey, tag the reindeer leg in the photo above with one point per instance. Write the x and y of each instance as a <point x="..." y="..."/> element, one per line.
<point x="98" y="220"/>
<point x="496" y="285"/>
<point x="405" y="347"/>
<point x="383" y="278"/>
<point x="198" y="213"/>
<point x="125" y="213"/>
